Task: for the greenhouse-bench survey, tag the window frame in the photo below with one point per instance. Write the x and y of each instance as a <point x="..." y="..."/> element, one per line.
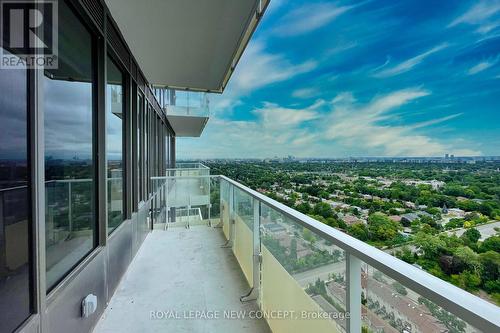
<point x="50" y="292"/>
<point x="111" y="56"/>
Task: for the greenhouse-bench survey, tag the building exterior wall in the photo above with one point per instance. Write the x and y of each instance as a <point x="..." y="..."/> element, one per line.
<point x="148" y="149"/>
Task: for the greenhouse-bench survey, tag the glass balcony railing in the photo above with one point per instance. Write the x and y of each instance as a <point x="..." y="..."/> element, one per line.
<point x="183" y="102"/>
<point x="185" y="195"/>
<point x="188" y="169"/>
<point x="309" y="277"/>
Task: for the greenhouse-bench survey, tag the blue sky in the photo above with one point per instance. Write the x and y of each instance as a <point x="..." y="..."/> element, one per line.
<point x="368" y="78"/>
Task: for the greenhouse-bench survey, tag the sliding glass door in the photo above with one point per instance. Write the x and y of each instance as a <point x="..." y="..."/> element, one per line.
<point x="15" y="208"/>
<point x="115" y="129"/>
<point x="70" y="164"/>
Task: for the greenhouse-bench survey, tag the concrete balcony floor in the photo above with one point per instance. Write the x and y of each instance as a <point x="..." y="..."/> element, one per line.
<point x="177" y="271"/>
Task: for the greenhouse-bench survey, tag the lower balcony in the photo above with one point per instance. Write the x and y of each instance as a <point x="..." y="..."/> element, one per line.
<point x="225" y="258"/>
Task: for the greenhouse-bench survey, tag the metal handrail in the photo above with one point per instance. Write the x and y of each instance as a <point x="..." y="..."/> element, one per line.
<point x="179" y="166"/>
<point x="470" y="308"/>
<point x="13" y="188"/>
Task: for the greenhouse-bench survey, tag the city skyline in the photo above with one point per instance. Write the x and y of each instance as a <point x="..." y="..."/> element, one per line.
<point x="332" y="79"/>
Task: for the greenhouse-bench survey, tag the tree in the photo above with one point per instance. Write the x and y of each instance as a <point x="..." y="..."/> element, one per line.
<point x="490" y="244"/>
<point x="467" y="280"/>
<point x="381" y="227"/>
<point x="468" y="258"/>
<point x="450" y="264"/>
<point x="490" y="270"/>
<point x="406" y="255"/>
<point x="431" y="246"/>
<point x="399" y="288"/>
<point x="359" y="231"/>
<point x="304" y="208"/>
<point x="323" y="209"/>
<point x="470" y="236"/>
<point x="308" y="235"/>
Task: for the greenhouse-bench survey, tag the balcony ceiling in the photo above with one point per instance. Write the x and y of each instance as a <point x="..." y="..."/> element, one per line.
<point x="187" y="126"/>
<point x="191" y="44"/>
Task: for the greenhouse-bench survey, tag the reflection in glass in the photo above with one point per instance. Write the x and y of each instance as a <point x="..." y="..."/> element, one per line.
<point x="114" y="145"/>
<point x="15" y="222"/>
<point x="140" y="148"/>
<point x="315" y="265"/>
<point x="396" y="308"/>
<point x="69" y="162"/>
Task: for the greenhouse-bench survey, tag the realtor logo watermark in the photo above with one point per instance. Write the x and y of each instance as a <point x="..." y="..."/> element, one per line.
<point x="29" y="34"/>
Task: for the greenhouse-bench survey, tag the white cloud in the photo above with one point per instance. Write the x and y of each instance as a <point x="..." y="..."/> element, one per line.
<point x="436" y="121"/>
<point x="275" y="130"/>
<point x="274" y="6"/>
<point x="407" y="65"/>
<point x="340" y="127"/>
<point x="309" y="17"/>
<point x="305" y="92"/>
<point x="482" y="14"/>
<point x="487" y="27"/>
<point x="257" y="69"/>
<point x="274" y="117"/>
<point x="344" y="97"/>
<point x="482" y="66"/>
<point x="362" y="126"/>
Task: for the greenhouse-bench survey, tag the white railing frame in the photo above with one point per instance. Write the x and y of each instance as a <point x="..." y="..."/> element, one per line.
<point x="473" y="310"/>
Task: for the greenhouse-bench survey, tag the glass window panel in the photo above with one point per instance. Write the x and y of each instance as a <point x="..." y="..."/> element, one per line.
<point x="315" y="265"/>
<point x="215" y="195"/>
<point x="243" y="204"/>
<point x="115" y="116"/>
<point x="15" y="222"/>
<point x="69" y="152"/>
<point x="146" y="153"/>
<point x="140" y="148"/>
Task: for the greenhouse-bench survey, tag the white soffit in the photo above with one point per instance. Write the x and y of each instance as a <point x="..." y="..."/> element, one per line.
<point x="187" y="126"/>
<point x="192" y="44"/>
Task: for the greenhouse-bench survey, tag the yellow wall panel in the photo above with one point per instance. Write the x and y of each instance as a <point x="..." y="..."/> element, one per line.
<point x="243" y="248"/>
<point x="280" y="292"/>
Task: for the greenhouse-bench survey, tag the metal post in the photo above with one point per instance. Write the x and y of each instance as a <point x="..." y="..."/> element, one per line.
<point x="70" y="210"/>
<point x="166" y="203"/>
<point x="253" y="294"/>
<point x="229" y="243"/>
<point x="3" y="266"/>
<point x="209" y="201"/>
<point x="221" y="207"/>
<point x="353" y="306"/>
<point x="209" y="221"/>
<point x="188" y="212"/>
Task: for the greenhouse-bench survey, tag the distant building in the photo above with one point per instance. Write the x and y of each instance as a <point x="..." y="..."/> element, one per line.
<point x="409" y="218"/>
<point x="395" y="218"/>
<point x="413" y="314"/>
<point x="350" y="220"/>
<point x="274" y="228"/>
<point x="422" y="213"/>
<point x="410" y="204"/>
<point x="456" y="212"/>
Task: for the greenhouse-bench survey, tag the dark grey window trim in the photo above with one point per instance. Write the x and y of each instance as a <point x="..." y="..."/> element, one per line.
<point x="125" y="130"/>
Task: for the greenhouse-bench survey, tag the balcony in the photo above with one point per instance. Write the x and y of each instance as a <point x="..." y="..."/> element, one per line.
<point x="187" y="111"/>
<point x="220" y="249"/>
